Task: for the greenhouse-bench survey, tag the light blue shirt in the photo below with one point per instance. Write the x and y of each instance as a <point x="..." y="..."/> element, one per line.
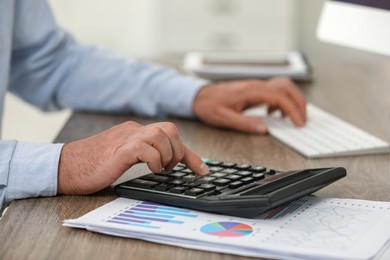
<point x="45" y="66"/>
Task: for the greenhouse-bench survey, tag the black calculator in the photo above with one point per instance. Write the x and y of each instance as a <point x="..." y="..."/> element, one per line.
<point x="229" y="188"/>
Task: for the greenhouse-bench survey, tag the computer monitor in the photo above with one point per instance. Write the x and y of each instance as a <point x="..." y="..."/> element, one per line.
<point x="362" y="24"/>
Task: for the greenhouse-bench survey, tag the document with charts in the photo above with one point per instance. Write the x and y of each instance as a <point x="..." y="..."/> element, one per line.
<point x="309" y="228"/>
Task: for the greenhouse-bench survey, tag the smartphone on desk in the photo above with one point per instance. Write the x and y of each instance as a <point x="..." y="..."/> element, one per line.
<point x="230" y="188"/>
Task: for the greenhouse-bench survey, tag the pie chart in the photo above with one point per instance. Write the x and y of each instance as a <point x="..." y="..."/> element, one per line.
<point x="227" y="229"/>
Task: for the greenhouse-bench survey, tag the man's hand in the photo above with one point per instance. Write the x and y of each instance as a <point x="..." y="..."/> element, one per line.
<point x="91" y="164"/>
<point x="222" y="104"/>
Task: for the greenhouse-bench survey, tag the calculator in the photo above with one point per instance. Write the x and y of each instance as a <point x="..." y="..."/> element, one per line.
<point x="229" y="188"/>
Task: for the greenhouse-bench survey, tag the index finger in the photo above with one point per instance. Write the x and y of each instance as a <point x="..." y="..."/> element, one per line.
<point x="194" y="162"/>
<point x="281" y="95"/>
<point x="296" y="96"/>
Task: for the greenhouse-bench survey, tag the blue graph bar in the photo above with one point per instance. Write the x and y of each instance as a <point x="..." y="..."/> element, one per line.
<point x="133" y="224"/>
<point x="158" y="211"/>
<point x="132" y="216"/>
<point x="145" y="214"/>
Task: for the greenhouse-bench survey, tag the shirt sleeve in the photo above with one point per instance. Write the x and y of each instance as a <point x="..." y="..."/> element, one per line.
<point x="27" y="170"/>
<point x="52" y="71"/>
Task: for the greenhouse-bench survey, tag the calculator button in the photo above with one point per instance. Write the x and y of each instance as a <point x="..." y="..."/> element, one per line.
<point x="145" y="184"/>
<point x="187" y="171"/>
<point x="244" y="173"/>
<point x="165" y="172"/>
<point x="178" y="189"/>
<point x="178" y="174"/>
<point x="247" y="180"/>
<point x="155" y="177"/>
<point x="230" y="171"/>
<point x="194" y="192"/>
<point x="216" y="169"/>
<point x="176" y="182"/>
<point x="243" y="166"/>
<point x="218" y="175"/>
<point x="190" y="177"/>
<point x="191" y="184"/>
<point x="233" y="177"/>
<point x="214" y="163"/>
<point x="258" y="176"/>
<point x="235" y="184"/>
<point x="207" y="187"/>
<point x="271" y="172"/>
<point x="228" y="164"/>
<point x="178" y="168"/>
<point x="163" y="187"/>
<point x="221" y="182"/>
<point x="258" y="169"/>
<point x="206" y="179"/>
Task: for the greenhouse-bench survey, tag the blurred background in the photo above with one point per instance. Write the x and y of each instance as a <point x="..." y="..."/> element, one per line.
<point x="166" y="29"/>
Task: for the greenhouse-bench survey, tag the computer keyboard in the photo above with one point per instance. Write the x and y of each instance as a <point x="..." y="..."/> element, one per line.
<point x="229" y="188"/>
<point x="324" y="135"/>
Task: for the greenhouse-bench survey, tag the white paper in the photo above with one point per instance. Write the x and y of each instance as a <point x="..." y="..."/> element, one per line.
<point x="311" y="227"/>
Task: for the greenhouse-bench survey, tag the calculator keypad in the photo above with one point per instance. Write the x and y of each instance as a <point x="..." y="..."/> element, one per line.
<point x="224" y="177"/>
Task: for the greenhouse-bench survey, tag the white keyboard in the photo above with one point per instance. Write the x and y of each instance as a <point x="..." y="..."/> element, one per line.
<point x="324" y="135"/>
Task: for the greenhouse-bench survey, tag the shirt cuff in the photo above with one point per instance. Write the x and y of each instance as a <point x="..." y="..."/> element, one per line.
<point x="179" y="95"/>
<point x="33" y="170"/>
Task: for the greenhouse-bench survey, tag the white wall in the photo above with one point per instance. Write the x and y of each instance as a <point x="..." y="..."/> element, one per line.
<point x="24" y="122"/>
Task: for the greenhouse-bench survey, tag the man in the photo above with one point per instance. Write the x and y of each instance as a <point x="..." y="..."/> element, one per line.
<point x="43" y="65"/>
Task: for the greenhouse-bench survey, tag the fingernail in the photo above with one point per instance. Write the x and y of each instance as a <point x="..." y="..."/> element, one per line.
<point x="204" y="169"/>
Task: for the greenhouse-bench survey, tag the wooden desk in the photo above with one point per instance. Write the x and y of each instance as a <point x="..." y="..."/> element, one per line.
<point x="360" y="94"/>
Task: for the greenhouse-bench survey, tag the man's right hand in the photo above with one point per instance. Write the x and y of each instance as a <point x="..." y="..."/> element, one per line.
<point x="91" y="164"/>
